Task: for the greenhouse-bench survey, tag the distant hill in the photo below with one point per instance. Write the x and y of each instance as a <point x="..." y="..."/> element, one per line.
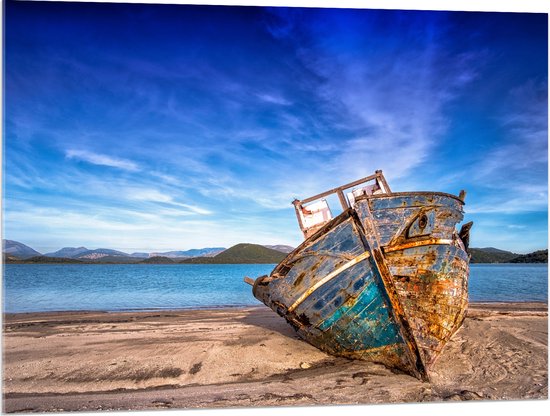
<point x="490" y="255"/>
<point x="101" y="260"/>
<point x="158" y="260"/>
<point x="68" y="252"/>
<point x="44" y="259"/>
<point x="494" y="255"/>
<point x="19" y="250"/>
<point x="99" y="253"/>
<point x="111" y="259"/>
<point x="281" y="248"/>
<point x="540" y="256"/>
<point x="8" y="258"/>
<point x="241" y="254"/>
<point x="140" y="255"/>
<point x="195" y="252"/>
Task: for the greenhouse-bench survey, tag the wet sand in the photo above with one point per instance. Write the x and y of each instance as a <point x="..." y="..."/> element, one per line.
<point x="252" y="357"/>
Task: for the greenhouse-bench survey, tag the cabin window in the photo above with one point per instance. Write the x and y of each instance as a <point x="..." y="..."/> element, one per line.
<point x="315" y="215"/>
<point x="368" y="190"/>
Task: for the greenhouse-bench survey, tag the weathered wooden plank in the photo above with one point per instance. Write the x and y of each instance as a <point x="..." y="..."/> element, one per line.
<point x="386" y="281"/>
<point x="435" y="295"/>
<point x="341" y="188"/>
<point x="373" y="240"/>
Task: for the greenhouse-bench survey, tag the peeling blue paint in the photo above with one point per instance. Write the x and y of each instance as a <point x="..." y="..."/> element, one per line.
<point x="398" y="308"/>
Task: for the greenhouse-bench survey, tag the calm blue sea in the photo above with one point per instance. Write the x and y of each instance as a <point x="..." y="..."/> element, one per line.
<point x="67" y="287"/>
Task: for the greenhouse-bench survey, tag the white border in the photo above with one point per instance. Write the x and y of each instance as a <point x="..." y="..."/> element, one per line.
<point x="501" y="408"/>
<point x="530" y="6"/>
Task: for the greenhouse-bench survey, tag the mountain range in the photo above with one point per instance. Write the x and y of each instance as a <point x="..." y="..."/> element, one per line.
<point x="15" y="251"/>
<point x="22" y="251"/>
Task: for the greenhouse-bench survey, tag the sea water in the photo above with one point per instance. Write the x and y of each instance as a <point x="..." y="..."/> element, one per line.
<point x="71" y="287"/>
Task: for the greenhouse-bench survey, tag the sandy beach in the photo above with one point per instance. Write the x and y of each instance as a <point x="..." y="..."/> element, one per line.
<point x="252" y="357"/>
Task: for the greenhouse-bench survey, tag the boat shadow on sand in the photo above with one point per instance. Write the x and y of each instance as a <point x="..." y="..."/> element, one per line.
<point x="265" y="319"/>
<point x="291" y="347"/>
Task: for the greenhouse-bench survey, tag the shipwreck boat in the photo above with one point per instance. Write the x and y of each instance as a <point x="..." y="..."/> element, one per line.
<point x="384" y="281"/>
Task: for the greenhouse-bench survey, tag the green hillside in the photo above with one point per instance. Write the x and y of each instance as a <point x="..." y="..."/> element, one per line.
<point x="540" y="256"/>
<point x="490" y="255"/>
<point x="44" y="259"/>
<point x="157" y="260"/>
<point x="8" y="258"/>
<point x="241" y="254"/>
<point x="494" y="255"/>
<point x="112" y="260"/>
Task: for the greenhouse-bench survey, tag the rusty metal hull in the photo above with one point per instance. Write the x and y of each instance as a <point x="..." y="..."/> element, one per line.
<point x="385" y="281"/>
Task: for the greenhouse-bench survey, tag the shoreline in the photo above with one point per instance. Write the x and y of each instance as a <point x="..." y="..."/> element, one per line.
<point x="138" y="310"/>
<point x="506" y="307"/>
<point x="495" y="305"/>
<point x="243" y="357"/>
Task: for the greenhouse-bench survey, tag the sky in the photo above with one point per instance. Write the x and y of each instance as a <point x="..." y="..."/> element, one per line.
<point x="168" y="127"/>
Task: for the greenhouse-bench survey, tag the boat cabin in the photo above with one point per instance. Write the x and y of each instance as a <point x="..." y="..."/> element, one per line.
<point x="314" y="212"/>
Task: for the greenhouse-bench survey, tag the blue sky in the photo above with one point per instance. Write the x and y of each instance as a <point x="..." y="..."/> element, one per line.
<point x="160" y="127"/>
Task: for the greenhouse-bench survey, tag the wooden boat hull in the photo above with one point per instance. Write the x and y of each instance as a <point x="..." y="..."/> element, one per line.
<point x="330" y="290"/>
<point x="385" y="281"/>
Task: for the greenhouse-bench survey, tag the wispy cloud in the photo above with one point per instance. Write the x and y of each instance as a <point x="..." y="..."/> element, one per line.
<point x="524" y="144"/>
<point x="385" y="101"/>
<point x="274" y="99"/>
<point x="505" y="205"/>
<point x="50" y="228"/>
<point x="102" y="160"/>
<point x="195" y="209"/>
<point x="518" y="166"/>
<point x="517" y="226"/>
<point x="154" y="195"/>
<point x="312" y="99"/>
<point x="166" y="178"/>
